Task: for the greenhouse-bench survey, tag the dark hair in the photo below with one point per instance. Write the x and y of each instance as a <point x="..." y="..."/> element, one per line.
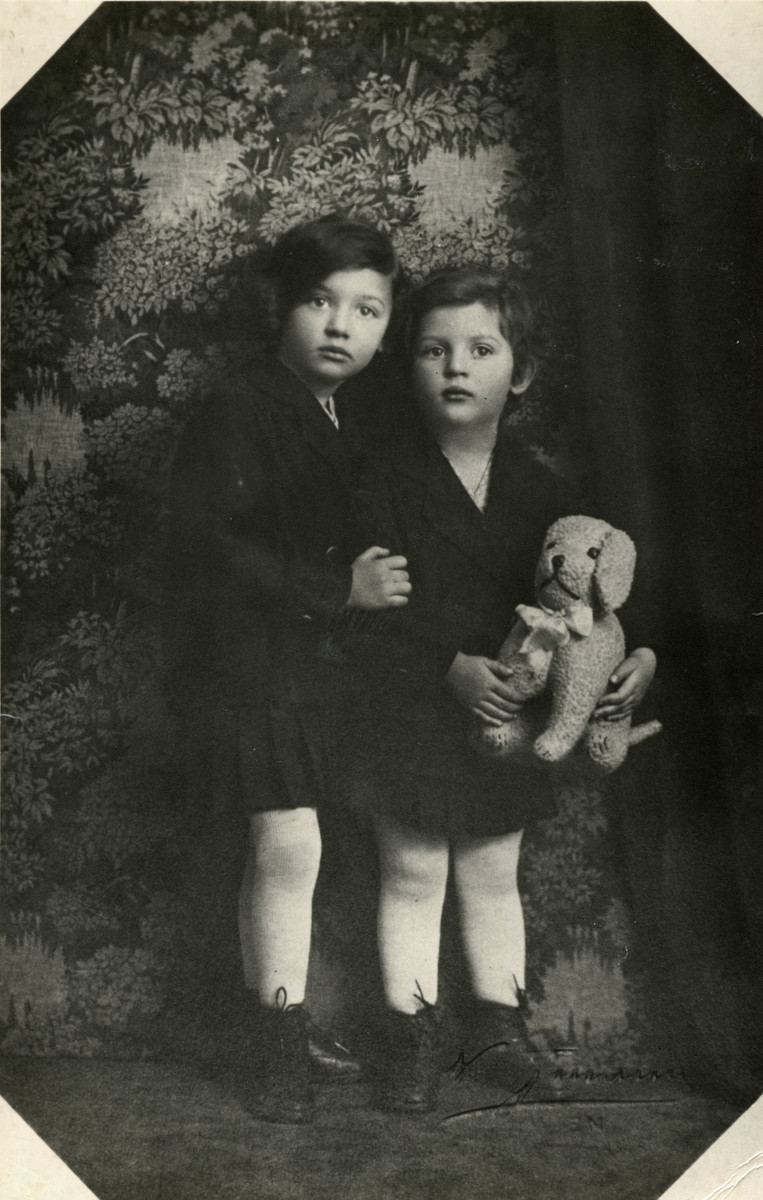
<point x="307" y="253"/>
<point x="452" y="287"/>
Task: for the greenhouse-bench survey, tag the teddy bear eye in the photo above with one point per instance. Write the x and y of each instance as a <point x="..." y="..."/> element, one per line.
<point x="594" y="552"/>
<point x="550" y="545"/>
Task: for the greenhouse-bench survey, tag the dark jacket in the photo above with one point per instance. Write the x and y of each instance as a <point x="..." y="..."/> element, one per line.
<point x="262" y="537"/>
<point x="410" y="750"/>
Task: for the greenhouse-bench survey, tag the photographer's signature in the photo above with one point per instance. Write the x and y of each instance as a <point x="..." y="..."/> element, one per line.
<point x="460" y="1069"/>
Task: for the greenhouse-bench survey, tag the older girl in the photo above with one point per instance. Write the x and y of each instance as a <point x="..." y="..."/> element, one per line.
<point x="265" y="557"/>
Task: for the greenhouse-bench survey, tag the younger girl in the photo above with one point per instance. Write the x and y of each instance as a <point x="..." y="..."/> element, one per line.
<point x="469" y="511"/>
<point x="265" y="555"/>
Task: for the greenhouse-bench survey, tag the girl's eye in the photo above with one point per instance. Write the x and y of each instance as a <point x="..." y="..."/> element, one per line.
<point x="365" y="311"/>
<point x="432" y="352"/>
<point x="318" y="301"/>
<point x="594" y="552"/>
<point x="482" y="351"/>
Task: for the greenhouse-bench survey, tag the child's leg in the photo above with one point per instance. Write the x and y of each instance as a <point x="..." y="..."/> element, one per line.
<point x="275" y="925"/>
<point x="276" y="902"/>
<point x="414" y="874"/>
<point x="497" y="1044"/>
<point x="492" y="923"/>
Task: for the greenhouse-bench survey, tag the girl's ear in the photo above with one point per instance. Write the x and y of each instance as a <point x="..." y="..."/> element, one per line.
<point x="522" y="382"/>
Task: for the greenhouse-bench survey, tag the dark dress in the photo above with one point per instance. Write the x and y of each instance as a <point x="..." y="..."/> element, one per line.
<point x="261" y="541"/>
<point x="408" y="753"/>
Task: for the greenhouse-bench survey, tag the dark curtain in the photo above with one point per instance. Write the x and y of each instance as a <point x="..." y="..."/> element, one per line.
<point x="663" y="178"/>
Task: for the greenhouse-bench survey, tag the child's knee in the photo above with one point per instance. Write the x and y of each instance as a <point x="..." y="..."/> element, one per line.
<point x="490" y="874"/>
<point x="498" y="886"/>
<point x="286" y="843"/>
<point x="412" y="874"/>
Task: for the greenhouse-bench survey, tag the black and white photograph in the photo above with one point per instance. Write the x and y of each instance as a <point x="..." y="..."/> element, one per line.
<point x="381" y="604"/>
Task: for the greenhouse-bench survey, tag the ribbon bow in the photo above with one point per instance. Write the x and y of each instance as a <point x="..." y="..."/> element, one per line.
<point x="548" y="630"/>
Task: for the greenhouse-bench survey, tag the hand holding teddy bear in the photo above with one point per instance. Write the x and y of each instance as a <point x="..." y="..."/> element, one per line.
<point x="568" y="648"/>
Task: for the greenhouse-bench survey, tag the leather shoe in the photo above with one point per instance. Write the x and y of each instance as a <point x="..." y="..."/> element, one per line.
<point x="330" y="1061"/>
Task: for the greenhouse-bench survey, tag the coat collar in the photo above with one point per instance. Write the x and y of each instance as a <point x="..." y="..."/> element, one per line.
<point x="444" y="503"/>
<point x="283" y="387"/>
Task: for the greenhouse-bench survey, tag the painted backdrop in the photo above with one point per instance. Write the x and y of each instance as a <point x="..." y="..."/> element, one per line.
<point x="146" y="166"/>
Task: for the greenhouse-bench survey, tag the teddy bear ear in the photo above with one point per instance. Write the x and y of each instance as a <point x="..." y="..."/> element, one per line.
<point x="614" y="570"/>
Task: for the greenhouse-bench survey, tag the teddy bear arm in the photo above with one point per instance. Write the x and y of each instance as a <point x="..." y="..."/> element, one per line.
<point x="501" y="740"/>
<point x="529" y="669"/>
<point x="512" y="641"/>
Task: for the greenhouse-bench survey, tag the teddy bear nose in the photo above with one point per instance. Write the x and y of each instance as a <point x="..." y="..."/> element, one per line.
<point x="557" y="561"/>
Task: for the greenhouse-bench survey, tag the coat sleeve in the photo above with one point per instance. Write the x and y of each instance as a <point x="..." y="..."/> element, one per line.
<point x="233" y="526"/>
<point x="407" y="645"/>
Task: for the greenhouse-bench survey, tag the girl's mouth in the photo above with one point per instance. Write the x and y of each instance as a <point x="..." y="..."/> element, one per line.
<point x="456" y="394"/>
<point x="334" y="352"/>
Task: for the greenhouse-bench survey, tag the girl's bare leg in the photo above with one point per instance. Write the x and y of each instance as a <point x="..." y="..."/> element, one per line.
<point x="276" y="903"/>
<point x="490" y="908"/>
<point x="414" y="874"/>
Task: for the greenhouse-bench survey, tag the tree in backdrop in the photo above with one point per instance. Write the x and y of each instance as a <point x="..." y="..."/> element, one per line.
<point x="115" y="325"/>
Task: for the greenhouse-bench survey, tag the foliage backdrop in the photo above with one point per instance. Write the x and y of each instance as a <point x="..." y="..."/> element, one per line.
<point x="115" y="324"/>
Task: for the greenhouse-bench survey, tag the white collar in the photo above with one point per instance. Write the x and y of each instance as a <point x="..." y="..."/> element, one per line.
<point x="330" y="410"/>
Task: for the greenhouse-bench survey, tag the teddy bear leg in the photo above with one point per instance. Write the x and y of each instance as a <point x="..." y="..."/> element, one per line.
<point x="498" y="741"/>
<point x="554" y="745"/>
<point x="607" y="743"/>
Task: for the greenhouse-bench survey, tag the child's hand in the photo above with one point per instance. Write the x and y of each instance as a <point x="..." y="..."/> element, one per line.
<point x="379" y="580"/>
<point x="479" y="686"/>
<point x="630" y="682"/>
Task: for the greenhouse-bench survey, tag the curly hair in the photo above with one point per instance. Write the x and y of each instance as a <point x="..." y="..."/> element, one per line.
<point x="454" y="287"/>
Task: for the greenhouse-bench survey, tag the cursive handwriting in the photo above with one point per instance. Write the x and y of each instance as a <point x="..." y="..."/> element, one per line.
<point x="461" y="1065"/>
<point x="508" y="1101"/>
<point x="618" y="1075"/>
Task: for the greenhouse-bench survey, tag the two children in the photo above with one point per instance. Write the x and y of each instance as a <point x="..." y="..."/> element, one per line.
<point x="267" y="554"/>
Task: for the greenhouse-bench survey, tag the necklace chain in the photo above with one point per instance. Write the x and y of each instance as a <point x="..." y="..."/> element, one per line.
<point x="473" y="491"/>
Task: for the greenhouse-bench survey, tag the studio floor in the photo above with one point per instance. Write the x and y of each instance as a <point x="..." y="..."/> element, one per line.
<point x="166" y="1131"/>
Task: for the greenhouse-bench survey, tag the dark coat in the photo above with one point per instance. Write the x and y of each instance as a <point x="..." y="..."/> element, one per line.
<point x="409" y="750"/>
<point x="262" y="537"/>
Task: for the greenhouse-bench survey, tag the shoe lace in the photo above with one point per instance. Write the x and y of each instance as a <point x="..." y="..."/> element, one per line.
<point x="523" y="1003"/>
<point x="311" y="1026"/>
<point x="282" y="1005"/>
<point x="427" y="1006"/>
<point x="429" y="1017"/>
<point x="291" y="1030"/>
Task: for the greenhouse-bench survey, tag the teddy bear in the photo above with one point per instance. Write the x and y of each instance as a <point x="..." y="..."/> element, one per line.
<point x="569" y="646"/>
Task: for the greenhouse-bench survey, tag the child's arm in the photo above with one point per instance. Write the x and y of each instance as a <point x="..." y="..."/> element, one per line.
<point x="479" y="684"/>
<point x="224" y="500"/>
<point x="630" y="681"/>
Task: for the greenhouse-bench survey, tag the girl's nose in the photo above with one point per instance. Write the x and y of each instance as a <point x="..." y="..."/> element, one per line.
<point x="337" y="323"/>
<point x="456" y="364"/>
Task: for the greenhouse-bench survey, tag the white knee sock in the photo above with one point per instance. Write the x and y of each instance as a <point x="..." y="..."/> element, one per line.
<point x="414" y="873"/>
<point x="276" y="902"/>
<point x="492" y="922"/>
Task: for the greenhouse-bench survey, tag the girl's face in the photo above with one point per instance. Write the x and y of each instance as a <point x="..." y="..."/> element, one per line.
<point x="336" y="330"/>
<point x="463" y="367"/>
